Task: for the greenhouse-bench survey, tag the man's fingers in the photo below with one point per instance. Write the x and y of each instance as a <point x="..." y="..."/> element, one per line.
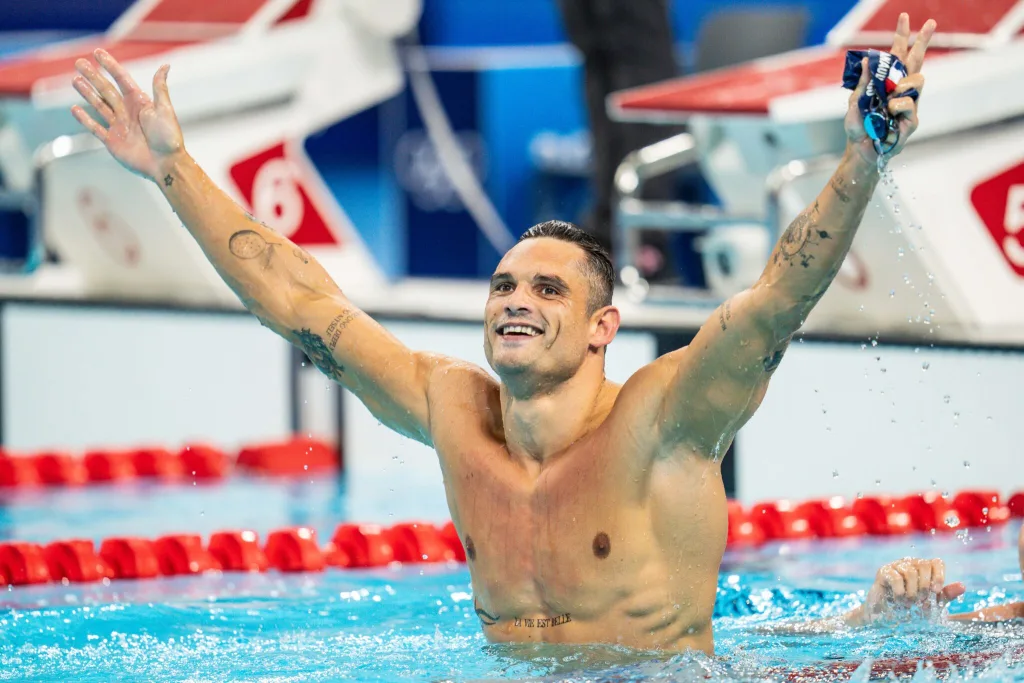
<point x="952" y="592"/>
<point x="915" y="60"/>
<point x="924" y="576"/>
<point x="161" y="95"/>
<point x="902" y="37"/>
<point x="894" y="581"/>
<point x="108" y="93"/>
<point x="938" y="575"/>
<point x="93" y="98"/>
<point x="83" y="118"/>
<point x="910" y="82"/>
<point x="901" y="106"/>
<point x="120" y="74"/>
<point x="862" y="84"/>
<point x="909" y="572"/>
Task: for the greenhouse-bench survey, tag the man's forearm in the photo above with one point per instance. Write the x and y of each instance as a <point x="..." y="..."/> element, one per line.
<point x="811" y="250"/>
<point x="265" y="270"/>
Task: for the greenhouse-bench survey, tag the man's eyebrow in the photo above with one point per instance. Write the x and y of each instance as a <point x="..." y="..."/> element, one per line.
<point x="501" y="277"/>
<point x="552" y="280"/>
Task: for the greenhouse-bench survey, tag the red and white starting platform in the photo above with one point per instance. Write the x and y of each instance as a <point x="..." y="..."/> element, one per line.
<point x="250" y="80"/>
<point x="941" y="250"/>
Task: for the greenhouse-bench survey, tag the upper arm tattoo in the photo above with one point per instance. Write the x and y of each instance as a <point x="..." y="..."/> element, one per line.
<point x="321" y="352"/>
<point x="725" y="315"/>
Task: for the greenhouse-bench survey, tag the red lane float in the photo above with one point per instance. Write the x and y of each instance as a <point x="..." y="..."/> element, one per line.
<point x="238" y="551"/>
<point x="60" y="469"/>
<point x="17" y="472"/>
<point x="1015" y="505"/>
<point x="418" y="542"/>
<point x="130" y="558"/>
<point x="23" y="563"/>
<point x="203" y="462"/>
<point x="183" y="554"/>
<point x="365" y="545"/>
<point x="295" y="550"/>
<point x="301" y="456"/>
<point x="157" y="463"/>
<point x="103" y="466"/>
<point x="76" y="561"/>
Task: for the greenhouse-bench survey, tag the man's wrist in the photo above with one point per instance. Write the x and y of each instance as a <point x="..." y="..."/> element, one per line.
<point x="170" y="167"/>
<point x="861" y="158"/>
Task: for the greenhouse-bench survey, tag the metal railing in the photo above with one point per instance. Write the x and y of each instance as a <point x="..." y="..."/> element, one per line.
<point x="633" y="215"/>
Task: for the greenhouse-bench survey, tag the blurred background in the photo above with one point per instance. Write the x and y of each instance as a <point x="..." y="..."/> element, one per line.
<point x="407" y="144"/>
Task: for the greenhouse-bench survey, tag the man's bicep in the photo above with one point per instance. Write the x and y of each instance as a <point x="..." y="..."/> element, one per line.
<point x="357" y="352"/>
<point x="721" y="377"/>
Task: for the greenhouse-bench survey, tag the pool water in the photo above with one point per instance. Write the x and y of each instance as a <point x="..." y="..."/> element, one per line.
<point x="418" y="623"/>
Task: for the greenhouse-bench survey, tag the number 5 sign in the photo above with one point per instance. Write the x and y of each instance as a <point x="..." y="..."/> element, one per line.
<point x="999" y="202"/>
<point x="272" y="186"/>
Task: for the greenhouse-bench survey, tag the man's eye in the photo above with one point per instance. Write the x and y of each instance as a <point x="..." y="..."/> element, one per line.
<point x="550" y="291"/>
<point x="503" y="287"/>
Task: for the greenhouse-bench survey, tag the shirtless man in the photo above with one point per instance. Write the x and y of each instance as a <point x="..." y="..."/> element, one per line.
<point x="590" y="512"/>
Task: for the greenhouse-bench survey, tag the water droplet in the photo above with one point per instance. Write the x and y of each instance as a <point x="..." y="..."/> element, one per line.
<point x="956" y="416"/>
<point x="899" y="252"/>
<point x="945" y="399"/>
<point x="861" y="307"/>
<point x="874" y="342"/>
<point x="835" y="474"/>
<point x="878" y="482"/>
<point x="892" y="293"/>
<point x="967" y="465"/>
<point x="988" y="419"/>
<point x="863" y="347"/>
<point x="925" y="365"/>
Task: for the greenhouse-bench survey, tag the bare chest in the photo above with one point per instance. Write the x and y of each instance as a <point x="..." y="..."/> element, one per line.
<point x="570" y="540"/>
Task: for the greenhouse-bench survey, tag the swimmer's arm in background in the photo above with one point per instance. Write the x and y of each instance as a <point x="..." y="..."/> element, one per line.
<point x="901" y="589"/>
<point x="1014" y="610"/>
<point x="282" y="285"/>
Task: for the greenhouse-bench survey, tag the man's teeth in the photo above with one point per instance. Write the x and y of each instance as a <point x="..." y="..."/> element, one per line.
<point x="520" y="329"/>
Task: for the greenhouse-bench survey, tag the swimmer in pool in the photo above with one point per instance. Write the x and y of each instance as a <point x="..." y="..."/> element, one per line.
<point x="590" y="512"/>
<point x="912" y="582"/>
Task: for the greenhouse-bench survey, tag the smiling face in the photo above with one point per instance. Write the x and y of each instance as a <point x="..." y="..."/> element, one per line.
<point x="537" y="319"/>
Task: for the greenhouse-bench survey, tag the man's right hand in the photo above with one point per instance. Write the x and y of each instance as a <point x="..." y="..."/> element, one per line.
<point x="905" y="584"/>
<point x="141" y="133"/>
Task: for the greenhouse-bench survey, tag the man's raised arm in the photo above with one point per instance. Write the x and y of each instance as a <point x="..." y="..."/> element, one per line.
<point x="277" y="281"/>
<point x="716" y="383"/>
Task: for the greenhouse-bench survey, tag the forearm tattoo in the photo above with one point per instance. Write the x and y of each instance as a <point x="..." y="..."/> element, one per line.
<point x="838" y="186"/>
<point x="168" y="180"/>
<point x="249" y="244"/>
<point x="339" y="323"/>
<point x="802" y="234"/>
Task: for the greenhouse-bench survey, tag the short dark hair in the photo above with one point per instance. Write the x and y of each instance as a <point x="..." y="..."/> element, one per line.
<point x="597" y="266"/>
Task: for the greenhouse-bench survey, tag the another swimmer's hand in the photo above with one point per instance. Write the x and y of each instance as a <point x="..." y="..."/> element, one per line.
<point x="903" y="108"/>
<point x="904" y="585"/>
<point x="141" y="133"/>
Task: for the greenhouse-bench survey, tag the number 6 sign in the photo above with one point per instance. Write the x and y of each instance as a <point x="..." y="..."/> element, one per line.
<point x="272" y="186"/>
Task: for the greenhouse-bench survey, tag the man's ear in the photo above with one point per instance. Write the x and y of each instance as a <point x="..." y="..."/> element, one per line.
<point x="604" y="325"/>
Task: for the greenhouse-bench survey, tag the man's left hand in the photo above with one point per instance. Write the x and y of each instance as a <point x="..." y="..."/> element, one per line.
<point x="903" y="109"/>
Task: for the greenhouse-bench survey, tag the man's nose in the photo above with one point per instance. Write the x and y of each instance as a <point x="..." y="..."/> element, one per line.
<point x="518" y="303"/>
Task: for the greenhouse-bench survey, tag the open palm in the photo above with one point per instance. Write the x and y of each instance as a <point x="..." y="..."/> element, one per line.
<point x="904" y="109"/>
<point x="137" y="131"/>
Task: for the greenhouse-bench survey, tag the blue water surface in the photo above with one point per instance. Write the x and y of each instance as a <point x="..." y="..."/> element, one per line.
<point x="417" y="622"/>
